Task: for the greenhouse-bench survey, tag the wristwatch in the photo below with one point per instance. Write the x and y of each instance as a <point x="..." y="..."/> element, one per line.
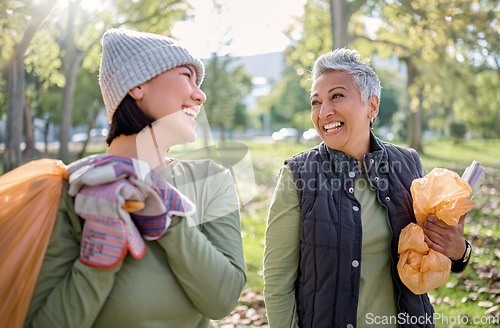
<point x="466" y="256"/>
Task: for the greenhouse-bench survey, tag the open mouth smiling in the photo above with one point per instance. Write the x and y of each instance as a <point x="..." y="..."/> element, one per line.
<point x="190" y="112"/>
<point x="333" y="126"/>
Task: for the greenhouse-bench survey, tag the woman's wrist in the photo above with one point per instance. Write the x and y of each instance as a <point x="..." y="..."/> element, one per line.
<point x="466" y="255"/>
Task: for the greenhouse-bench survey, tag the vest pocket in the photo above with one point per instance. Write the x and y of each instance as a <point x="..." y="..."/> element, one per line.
<point x="318" y="233"/>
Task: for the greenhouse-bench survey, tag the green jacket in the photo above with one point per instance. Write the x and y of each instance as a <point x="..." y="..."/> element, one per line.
<point x="192" y="274"/>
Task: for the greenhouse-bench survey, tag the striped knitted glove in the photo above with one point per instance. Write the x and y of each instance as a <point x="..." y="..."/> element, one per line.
<point x="106" y="185"/>
<point x="108" y="230"/>
<point x="153" y="225"/>
<point x="99" y="169"/>
<point x="161" y="200"/>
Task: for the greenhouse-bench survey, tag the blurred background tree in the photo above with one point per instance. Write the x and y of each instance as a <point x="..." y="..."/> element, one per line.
<point x="439" y="43"/>
<point x="226" y="87"/>
<point x="21" y="22"/>
<point x="446" y="71"/>
<point x="287" y="99"/>
<point x="76" y="30"/>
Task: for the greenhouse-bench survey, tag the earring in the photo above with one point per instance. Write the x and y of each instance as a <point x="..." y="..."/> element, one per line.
<point x="371" y="120"/>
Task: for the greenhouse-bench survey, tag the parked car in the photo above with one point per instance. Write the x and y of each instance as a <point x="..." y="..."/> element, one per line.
<point x="285" y="133"/>
<point x="310" y="134"/>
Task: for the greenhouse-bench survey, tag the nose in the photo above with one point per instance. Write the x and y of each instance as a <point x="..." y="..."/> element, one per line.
<point x="199" y="96"/>
<point x="326" y="110"/>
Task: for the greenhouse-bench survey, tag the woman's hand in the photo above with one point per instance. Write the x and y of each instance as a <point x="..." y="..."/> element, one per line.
<point x="445" y="239"/>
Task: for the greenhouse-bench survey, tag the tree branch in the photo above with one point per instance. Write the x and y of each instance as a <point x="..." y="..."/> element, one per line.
<point x="385" y="42"/>
<point x="21" y="47"/>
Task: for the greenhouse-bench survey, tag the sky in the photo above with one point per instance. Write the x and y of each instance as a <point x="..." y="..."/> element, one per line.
<point x="252" y="27"/>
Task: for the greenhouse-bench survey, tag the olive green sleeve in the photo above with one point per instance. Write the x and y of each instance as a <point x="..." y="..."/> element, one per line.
<point x="207" y="259"/>
<point x="281" y="254"/>
<point x="68" y="293"/>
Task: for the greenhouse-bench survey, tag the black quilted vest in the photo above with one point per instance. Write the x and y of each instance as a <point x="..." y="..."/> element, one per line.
<point x="327" y="287"/>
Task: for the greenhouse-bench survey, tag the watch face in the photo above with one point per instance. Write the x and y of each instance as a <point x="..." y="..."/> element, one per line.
<point x="467" y="253"/>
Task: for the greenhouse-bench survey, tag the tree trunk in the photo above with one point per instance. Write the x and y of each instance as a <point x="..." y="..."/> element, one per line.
<point x="71" y="65"/>
<point x="340" y="15"/>
<point x="90" y="126"/>
<point x="14" y="124"/>
<point x="414" y="123"/>
<point x="222" y="132"/>
<point x="339" y="21"/>
<point x="30" y="149"/>
<point x="46" y="136"/>
<point x="15" y="87"/>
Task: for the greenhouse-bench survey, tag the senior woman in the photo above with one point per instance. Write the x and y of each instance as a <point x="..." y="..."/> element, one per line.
<point x="337" y="212"/>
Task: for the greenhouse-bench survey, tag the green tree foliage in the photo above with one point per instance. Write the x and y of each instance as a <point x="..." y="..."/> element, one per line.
<point x="154" y="16"/>
<point x="287" y="99"/>
<point x="478" y="105"/>
<point x="392" y="98"/>
<point x="444" y="44"/>
<point x="47" y="109"/>
<point x="457" y="131"/>
<point x="43" y="71"/>
<point x="226" y="87"/>
<point x="43" y="59"/>
<point x="22" y="23"/>
<point x="68" y="41"/>
<point x="86" y="103"/>
<point x="310" y="37"/>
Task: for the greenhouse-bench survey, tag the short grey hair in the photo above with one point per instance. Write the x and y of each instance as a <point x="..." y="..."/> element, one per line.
<point x="349" y="61"/>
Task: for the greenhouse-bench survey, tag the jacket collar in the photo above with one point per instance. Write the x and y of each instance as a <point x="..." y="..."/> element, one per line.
<point x="343" y="164"/>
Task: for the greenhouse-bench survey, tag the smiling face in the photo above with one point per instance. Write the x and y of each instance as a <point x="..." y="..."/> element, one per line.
<point x="339" y="114"/>
<point x="174" y="94"/>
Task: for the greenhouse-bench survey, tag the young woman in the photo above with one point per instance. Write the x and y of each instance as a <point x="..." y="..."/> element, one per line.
<point x="337" y="212"/>
<point x="165" y="265"/>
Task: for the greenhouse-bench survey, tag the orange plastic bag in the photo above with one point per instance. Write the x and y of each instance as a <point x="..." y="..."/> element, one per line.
<point x="442" y="193"/>
<point x="420" y="268"/>
<point x="29" y="201"/>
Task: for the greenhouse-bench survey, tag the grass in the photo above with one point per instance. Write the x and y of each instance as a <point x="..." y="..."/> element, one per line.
<point x="446" y="153"/>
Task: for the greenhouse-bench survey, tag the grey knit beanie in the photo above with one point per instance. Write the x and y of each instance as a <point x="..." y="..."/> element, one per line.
<point x="130" y="58"/>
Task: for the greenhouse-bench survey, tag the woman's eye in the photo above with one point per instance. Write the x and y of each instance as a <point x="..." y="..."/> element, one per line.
<point x="314" y="102"/>
<point x="186" y="72"/>
<point x="337" y="95"/>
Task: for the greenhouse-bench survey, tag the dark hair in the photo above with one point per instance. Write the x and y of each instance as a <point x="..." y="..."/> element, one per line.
<point x="128" y="119"/>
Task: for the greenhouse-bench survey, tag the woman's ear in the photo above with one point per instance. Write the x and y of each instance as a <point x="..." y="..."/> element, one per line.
<point x="137" y="93"/>
<point x="374" y="106"/>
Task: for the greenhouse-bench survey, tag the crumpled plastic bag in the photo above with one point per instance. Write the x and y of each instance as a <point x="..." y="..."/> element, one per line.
<point x="442" y="193"/>
<point x="420" y="268"/>
<point x="29" y="201"/>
